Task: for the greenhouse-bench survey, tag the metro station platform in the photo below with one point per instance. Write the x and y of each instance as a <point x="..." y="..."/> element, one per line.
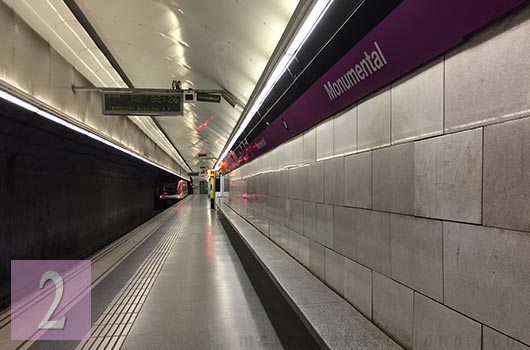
<point x="369" y="162"/>
<point x="175" y="282"/>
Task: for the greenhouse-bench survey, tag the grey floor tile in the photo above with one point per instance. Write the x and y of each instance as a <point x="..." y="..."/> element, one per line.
<point x="202" y="298"/>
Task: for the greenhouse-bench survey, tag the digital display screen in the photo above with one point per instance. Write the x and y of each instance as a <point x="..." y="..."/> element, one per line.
<point x="142" y="103"/>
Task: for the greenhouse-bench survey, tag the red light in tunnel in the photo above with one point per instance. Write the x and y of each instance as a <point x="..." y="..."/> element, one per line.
<point x="160" y="197"/>
<point x="202" y="126"/>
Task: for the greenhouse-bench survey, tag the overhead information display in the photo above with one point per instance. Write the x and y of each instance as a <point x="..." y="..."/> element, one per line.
<point x="152" y="103"/>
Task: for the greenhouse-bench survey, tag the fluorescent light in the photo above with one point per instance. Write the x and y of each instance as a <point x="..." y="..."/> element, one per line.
<point x="15" y="100"/>
<point x="305" y="30"/>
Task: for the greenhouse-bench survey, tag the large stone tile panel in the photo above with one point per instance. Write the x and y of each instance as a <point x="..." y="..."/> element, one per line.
<point x="294" y="214"/>
<point x="325" y="224"/>
<point x="393" y="309"/>
<point x="358" y="180"/>
<point x="345" y="231"/>
<point x="417" y="254"/>
<point x="493" y="340"/>
<point x="325" y="139"/>
<point x="335" y="271"/>
<point x="310" y="145"/>
<point x="373" y="240"/>
<point x="314" y="175"/>
<point x="448" y="177"/>
<point x="310" y="220"/>
<point x="506" y="198"/>
<point x="485" y="79"/>
<point x="418" y="104"/>
<point x="334" y="181"/>
<point x="486" y="276"/>
<point x="317" y="259"/>
<point x="304" y="251"/>
<point x="437" y="327"/>
<point x="358" y="286"/>
<point x="345" y="132"/>
<point x="393" y="179"/>
<point x="373" y="121"/>
<point x="297" y="183"/>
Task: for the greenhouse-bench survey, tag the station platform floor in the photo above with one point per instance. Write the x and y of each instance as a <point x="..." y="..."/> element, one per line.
<point x="173" y="283"/>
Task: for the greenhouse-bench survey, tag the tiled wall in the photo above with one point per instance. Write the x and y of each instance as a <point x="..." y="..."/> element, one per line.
<point x="414" y="205"/>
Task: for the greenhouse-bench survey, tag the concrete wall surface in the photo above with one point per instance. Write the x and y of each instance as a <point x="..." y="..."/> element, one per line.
<point x="414" y="204"/>
<point x="62" y="195"/>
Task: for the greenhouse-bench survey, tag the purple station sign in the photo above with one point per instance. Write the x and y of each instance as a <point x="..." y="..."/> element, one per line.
<point x="416" y="32"/>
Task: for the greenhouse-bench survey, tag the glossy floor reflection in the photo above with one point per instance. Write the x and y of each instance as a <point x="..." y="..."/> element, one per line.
<point x="202" y="298"/>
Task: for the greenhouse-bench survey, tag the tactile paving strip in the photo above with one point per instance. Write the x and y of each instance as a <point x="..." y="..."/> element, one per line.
<point x="111" y="328"/>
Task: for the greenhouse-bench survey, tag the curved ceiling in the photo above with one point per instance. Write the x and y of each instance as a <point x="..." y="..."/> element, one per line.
<point x="207" y="44"/>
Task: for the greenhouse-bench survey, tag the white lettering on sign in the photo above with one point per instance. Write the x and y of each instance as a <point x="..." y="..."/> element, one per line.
<point x="371" y="63"/>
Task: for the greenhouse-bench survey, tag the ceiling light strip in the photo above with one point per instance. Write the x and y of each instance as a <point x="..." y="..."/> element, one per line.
<point x="309" y="24"/>
<point x="19" y="102"/>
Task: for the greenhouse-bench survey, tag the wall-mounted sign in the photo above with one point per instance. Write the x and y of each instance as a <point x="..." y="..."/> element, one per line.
<point x="416" y="32"/>
<point x="152" y="103"/>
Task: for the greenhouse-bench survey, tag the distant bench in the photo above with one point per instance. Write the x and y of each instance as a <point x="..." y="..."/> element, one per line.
<point x="331" y="321"/>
